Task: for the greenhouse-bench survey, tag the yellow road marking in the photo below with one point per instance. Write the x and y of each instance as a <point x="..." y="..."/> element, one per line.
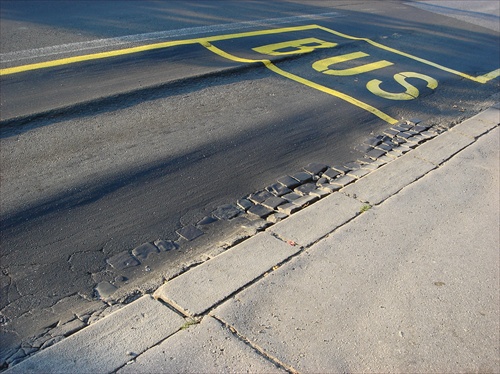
<point x="411" y="92"/>
<point x="306" y="45"/>
<point x="205" y="42"/>
<point x="274" y="68"/>
<point x="481" y="79"/>
<point x="487" y="77"/>
<point x="148" y="47"/>
<point x="323" y="66"/>
<point x="94" y="56"/>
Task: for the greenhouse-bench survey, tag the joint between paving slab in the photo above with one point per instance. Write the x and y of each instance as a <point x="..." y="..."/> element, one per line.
<point x="354" y="197"/>
<point x="334" y="230"/>
<point x="134" y="356"/>
<point x="189" y="321"/>
<point x="172" y="305"/>
<point x="198" y="315"/>
<point x="174" y="308"/>
<point x="249" y="284"/>
<point x="260" y="351"/>
<point x="287" y="241"/>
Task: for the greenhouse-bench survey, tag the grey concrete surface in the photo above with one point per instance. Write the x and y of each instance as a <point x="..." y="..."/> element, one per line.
<point x="206" y="285"/>
<point x="409" y="286"/>
<point x="109" y="343"/>
<point x="215" y="350"/>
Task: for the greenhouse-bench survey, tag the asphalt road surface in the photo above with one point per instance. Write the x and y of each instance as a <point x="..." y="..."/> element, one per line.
<point x="203" y="103"/>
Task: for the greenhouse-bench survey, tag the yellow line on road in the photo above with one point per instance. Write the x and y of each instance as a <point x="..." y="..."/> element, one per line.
<point x="303" y="81"/>
<point x="94" y="56"/>
<point x="487" y="77"/>
<point x="143" y="48"/>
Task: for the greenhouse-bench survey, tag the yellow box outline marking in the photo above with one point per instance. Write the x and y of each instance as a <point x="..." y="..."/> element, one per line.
<point x="205" y="42"/>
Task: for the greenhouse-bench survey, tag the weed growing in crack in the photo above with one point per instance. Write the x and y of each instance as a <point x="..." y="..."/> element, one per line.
<point x="189" y="323"/>
<point x="365" y="208"/>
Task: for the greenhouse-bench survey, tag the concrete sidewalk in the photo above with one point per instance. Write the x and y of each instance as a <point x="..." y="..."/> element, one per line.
<point x="398" y="272"/>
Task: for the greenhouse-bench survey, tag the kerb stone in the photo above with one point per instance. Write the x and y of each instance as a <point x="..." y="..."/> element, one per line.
<point x="479" y="124"/>
<point x="278" y="189"/>
<point x="389" y="179"/>
<point x="315" y="168"/>
<point x="260" y="196"/>
<point x="375" y="153"/>
<point x="313" y="223"/>
<point x="358" y="173"/>
<point x="305" y="188"/>
<point x="441" y="148"/>
<point x="303" y="177"/>
<point x="244" y="204"/>
<point x="331" y="174"/>
<point x="288" y="181"/>
<point x="330" y="187"/>
<point x="199" y="289"/>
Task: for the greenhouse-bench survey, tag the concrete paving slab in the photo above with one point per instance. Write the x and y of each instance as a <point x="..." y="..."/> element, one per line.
<point x="108" y="344"/>
<point x="316" y="221"/>
<point x="370" y="299"/>
<point x="441" y="148"/>
<point x="480" y="123"/>
<point x="389" y="179"/>
<point x="199" y="289"/>
<point x="205" y="348"/>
